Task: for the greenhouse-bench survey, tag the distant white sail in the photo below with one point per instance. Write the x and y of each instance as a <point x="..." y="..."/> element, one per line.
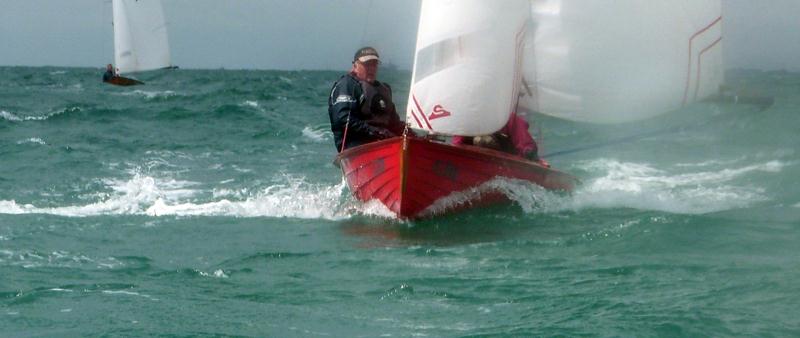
<point x="467" y="65"/>
<point x="587" y="60"/>
<point x="624" y="60"/>
<point x="140" y="36"/>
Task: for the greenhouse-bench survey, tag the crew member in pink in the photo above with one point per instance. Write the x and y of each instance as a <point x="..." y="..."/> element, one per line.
<point x="513" y="138"/>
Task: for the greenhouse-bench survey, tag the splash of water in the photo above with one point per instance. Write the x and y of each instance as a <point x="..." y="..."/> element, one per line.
<point x="641" y="186"/>
<point x="147" y="195"/>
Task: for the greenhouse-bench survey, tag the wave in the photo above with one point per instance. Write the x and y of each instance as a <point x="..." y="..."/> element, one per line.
<point x="9" y="116"/>
<point x="318" y="134"/>
<point x="641" y="186"/>
<point x="35" y="140"/>
<point x="151" y="95"/>
<point x="249" y="103"/>
<point x="630" y="185"/>
<point x="615" y="185"/>
<point x="146" y="195"/>
<point x="29" y="258"/>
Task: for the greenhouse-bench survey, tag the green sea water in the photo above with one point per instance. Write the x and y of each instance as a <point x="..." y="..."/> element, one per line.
<point x="205" y="203"/>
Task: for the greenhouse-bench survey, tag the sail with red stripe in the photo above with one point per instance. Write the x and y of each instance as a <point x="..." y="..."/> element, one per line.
<point x="620" y="61"/>
<point x="585" y="60"/>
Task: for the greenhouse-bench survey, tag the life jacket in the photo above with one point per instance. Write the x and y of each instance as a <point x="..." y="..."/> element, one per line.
<point x="377" y="107"/>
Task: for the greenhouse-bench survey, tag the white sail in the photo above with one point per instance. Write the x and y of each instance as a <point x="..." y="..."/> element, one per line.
<point x="586" y="60"/>
<point x="140" y="36"/>
<point x="467" y="65"/>
<point x="624" y="60"/>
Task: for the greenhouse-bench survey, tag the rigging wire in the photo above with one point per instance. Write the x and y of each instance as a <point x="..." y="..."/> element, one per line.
<point x="366" y="23"/>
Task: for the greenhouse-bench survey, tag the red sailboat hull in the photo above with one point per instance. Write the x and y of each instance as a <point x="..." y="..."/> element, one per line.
<point x="410" y="175"/>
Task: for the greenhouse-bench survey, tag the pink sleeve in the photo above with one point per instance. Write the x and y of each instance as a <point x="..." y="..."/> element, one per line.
<point x="458" y="140"/>
<point x="517" y="129"/>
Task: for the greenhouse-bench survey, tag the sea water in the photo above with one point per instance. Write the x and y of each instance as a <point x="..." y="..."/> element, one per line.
<point x="206" y="203"/>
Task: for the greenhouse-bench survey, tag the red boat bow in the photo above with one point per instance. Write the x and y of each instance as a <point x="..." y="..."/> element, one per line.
<point x="409" y="174"/>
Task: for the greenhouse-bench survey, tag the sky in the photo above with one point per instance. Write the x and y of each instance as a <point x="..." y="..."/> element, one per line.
<point x="315" y="34"/>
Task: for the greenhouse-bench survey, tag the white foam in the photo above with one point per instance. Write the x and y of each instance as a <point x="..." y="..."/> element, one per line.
<point x="11" y="207"/>
<point x="149" y="95"/>
<point x="60" y="290"/>
<point x="146" y="195"/>
<point x="316" y="135"/>
<point x="248" y="103"/>
<point x="217" y="274"/>
<point x="130" y="197"/>
<point x="9" y="116"/>
<point x="631" y="185"/>
<point x="640" y="186"/>
<point x="128" y="293"/>
<point x="531" y="197"/>
<point x="33" y="140"/>
<point x="33" y="259"/>
<point x="693" y="189"/>
<point x="372" y="208"/>
<point x="293" y="199"/>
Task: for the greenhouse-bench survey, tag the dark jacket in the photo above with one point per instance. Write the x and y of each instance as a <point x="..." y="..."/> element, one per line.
<point x="108" y="75"/>
<point x="346" y="109"/>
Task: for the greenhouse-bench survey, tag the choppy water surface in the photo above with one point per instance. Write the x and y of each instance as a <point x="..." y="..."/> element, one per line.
<point x="206" y="203"/>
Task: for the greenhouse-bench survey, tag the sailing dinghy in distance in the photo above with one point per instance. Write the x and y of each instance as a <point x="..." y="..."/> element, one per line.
<point x="465" y="82"/>
<point x="140" y="39"/>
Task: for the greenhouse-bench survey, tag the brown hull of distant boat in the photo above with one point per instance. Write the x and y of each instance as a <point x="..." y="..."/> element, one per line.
<point x="124" y="81"/>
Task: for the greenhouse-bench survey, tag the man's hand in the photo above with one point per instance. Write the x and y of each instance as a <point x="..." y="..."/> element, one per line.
<point x="382" y="133"/>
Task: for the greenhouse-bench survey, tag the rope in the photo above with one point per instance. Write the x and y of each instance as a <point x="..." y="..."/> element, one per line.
<point x="616" y="141"/>
<point x="758" y="102"/>
<point x="344" y="137"/>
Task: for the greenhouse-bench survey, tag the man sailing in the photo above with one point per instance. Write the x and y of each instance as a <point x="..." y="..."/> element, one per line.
<point x="360" y="107"/>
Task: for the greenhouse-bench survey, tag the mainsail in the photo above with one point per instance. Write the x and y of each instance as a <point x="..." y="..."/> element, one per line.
<point x="584" y="60"/>
<point x="623" y="60"/>
<point x="140" y="36"/>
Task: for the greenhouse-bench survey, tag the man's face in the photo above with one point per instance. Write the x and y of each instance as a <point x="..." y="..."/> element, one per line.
<point x="366" y="71"/>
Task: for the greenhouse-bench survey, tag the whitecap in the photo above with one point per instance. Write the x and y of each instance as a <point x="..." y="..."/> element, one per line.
<point x="295" y="198"/>
<point x="32" y="140"/>
<point x="641" y="186"/>
<point x="316" y="135"/>
<point x="147" y="195"/>
<point x="248" y="103"/>
<point x="9" y="116"/>
<point x="129" y="197"/>
<point x="149" y="95"/>
<point x="216" y="274"/>
<point x="13" y="117"/>
<point x="128" y="293"/>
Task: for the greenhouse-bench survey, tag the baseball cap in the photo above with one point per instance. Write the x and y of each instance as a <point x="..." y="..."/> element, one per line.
<point x="365" y="54"/>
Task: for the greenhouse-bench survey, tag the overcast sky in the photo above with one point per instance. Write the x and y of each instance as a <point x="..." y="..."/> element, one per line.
<point x="315" y="34"/>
